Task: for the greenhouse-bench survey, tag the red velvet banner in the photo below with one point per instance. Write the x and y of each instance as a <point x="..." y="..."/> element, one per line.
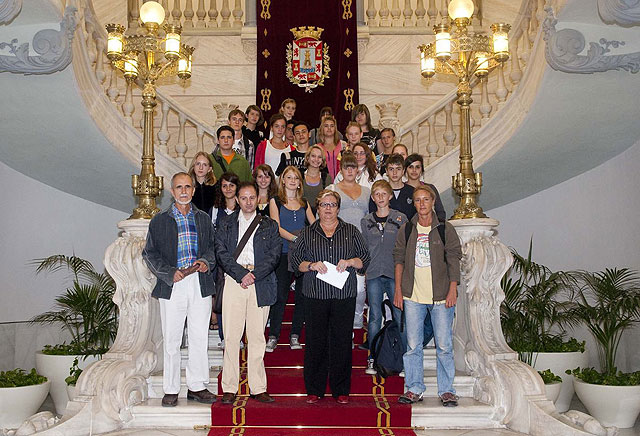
<point x="302" y="56"/>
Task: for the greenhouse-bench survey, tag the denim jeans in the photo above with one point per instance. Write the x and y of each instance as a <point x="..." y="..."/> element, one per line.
<point x="442" y="321"/>
<point x="376" y="288"/>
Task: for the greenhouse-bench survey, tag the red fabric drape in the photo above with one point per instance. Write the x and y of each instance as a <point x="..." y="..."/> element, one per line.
<point x="340" y="90"/>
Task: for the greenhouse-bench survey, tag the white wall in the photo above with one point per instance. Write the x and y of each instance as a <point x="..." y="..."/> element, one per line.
<point x="589" y="222"/>
<point x="38" y="221"/>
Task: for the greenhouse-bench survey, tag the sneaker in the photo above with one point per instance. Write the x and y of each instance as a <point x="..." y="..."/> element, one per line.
<point x="401" y="373"/>
<point x="294" y="342"/>
<point x="241" y="345"/>
<point x="221" y="344"/>
<point x="370" y="370"/>
<point x="409" y="398"/>
<point x="449" y="399"/>
<point x="272" y="343"/>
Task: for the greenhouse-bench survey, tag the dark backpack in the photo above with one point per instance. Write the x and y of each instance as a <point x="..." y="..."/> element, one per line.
<point x="386" y="347"/>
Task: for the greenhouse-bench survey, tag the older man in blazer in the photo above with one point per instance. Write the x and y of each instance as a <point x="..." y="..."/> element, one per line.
<point x="249" y="290"/>
<point x="180" y="253"/>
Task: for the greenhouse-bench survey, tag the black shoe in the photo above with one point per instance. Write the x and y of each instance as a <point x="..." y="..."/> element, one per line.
<point x="170" y="400"/>
<point x="203" y="396"/>
<point x="364" y="346"/>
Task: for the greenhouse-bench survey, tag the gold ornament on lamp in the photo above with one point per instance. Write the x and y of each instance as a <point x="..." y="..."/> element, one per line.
<point x="156" y="53"/>
<point x="464" y="55"/>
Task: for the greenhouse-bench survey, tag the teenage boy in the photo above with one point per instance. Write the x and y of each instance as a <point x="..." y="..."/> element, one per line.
<point x="226" y="159"/>
<point x="241" y="144"/>
<point x="387" y="139"/>
<point x="296" y="156"/>
<point x="252" y="127"/>
<point x="401" y="199"/>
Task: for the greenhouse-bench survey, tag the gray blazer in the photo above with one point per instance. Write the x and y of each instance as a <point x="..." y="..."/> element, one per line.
<point x="161" y="251"/>
<point x="267" y="246"/>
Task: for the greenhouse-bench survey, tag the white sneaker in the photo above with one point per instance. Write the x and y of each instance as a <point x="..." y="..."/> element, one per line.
<point x="272" y="343"/>
<point x="221" y="344"/>
<point x="370" y="370"/>
<point x="241" y="345"/>
<point x="401" y="373"/>
<point x="294" y="342"/>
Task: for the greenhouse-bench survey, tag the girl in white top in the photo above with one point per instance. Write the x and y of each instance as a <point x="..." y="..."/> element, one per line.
<point x="270" y="150"/>
<point x="367" y="171"/>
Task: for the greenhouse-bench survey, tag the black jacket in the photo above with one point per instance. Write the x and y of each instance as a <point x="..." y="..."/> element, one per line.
<point x="161" y="251"/>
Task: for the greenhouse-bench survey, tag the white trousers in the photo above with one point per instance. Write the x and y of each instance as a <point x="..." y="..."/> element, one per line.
<point x="186" y="302"/>
<point x="361" y="297"/>
<point x="240" y="311"/>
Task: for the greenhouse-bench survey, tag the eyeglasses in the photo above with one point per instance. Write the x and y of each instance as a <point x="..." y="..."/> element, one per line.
<point x="332" y="205"/>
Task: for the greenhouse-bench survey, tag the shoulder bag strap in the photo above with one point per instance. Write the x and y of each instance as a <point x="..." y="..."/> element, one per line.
<point x="246" y="236"/>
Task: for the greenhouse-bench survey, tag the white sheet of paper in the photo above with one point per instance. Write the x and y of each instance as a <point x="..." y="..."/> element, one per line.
<point x="333" y="277"/>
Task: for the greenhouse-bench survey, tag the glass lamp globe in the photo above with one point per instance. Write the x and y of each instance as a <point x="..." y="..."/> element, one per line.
<point x="460" y="9"/>
<point x="152" y="12"/>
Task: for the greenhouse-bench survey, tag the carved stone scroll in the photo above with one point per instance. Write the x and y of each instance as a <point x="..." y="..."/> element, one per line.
<point x="53" y="48"/>
<point x="9" y="9"/>
<point x="564" y="47"/>
<point x="622" y="12"/>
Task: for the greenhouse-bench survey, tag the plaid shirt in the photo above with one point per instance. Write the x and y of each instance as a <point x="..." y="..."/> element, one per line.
<point x="187" y="237"/>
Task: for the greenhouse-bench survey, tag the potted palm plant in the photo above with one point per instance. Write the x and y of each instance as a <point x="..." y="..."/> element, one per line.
<point x="87" y="311"/>
<point x="21" y="395"/>
<point x="608" y="303"/>
<point x="534" y="315"/>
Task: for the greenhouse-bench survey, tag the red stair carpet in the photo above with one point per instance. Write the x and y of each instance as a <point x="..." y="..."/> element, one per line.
<point x="373" y="408"/>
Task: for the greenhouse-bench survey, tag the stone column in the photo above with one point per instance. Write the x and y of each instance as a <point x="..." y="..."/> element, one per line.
<point x="250" y="13"/>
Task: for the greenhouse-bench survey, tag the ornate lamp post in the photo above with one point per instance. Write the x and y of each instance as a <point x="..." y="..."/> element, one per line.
<point x="465" y="55"/>
<point x="148" y="57"/>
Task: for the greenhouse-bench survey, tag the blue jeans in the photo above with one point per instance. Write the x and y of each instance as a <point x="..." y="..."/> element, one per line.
<point x="376" y="288"/>
<point x="442" y="321"/>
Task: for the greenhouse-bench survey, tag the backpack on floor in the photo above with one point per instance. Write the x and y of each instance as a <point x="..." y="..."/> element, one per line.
<point x="386" y="347"/>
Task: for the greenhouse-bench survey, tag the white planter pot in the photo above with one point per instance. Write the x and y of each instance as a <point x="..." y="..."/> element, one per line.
<point x="611" y="405"/>
<point x="558" y="363"/>
<point x="17" y="404"/>
<point x="553" y="390"/>
<point x="56" y="369"/>
<point x="71" y="392"/>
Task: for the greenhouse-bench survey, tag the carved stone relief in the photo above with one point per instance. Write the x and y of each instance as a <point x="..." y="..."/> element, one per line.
<point x="53" y="48"/>
<point x="622" y="12"/>
<point x="9" y="9"/>
<point x="563" y="50"/>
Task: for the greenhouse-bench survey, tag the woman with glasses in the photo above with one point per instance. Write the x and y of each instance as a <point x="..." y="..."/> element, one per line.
<point x="329" y="310"/>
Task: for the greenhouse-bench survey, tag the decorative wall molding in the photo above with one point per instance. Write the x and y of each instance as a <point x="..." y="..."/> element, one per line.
<point x="622" y="12"/>
<point x="9" y="9"/>
<point x="563" y="50"/>
<point x="53" y="48"/>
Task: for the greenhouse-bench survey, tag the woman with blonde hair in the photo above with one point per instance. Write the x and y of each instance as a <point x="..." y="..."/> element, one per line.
<point x="291" y="211"/>
<point x="201" y="170"/>
<point x="316" y="176"/>
<point x="331" y="144"/>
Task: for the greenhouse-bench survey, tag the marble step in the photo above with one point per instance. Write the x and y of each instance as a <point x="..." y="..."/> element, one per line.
<point x="463" y="384"/>
<point x="429" y="413"/>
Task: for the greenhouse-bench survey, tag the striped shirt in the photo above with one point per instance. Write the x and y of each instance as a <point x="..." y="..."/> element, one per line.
<point x="187" y="237"/>
<point x="314" y="246"/>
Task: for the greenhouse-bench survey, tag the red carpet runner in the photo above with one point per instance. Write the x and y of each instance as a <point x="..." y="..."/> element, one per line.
<point x="373" y="407"/>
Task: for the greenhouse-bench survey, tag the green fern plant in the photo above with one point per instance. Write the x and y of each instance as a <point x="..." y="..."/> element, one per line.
<point x="85" y="309"/>
<point x="608" y="303"/>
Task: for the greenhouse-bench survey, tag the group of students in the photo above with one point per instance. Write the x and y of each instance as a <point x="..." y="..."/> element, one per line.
<point x="360" y="205"/>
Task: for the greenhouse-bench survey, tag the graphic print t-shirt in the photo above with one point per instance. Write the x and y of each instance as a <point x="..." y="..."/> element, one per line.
<point x="422" y="285"/>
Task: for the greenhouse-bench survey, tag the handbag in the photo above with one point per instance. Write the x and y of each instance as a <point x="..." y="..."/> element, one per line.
<point x="217" y="304"/>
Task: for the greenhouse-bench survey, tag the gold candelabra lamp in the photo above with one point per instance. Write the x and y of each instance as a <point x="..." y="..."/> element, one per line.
<point x="155" y="53"/>
<point x="464" y="55"/>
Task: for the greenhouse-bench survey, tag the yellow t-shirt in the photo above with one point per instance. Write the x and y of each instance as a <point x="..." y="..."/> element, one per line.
<point x="422" y="284"/>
